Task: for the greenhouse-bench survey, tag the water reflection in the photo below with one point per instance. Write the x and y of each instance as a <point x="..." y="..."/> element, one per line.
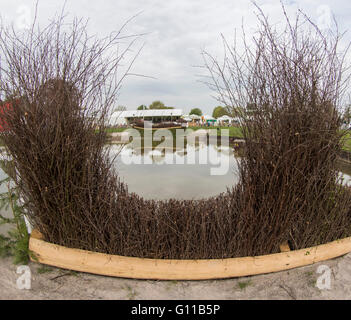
<point x="345" y="172"/>
<point x="168" y="173"/>
<point x="176" y="173"/>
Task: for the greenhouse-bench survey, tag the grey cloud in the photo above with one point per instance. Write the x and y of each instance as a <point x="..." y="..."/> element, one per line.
<point x="177" y="31"/>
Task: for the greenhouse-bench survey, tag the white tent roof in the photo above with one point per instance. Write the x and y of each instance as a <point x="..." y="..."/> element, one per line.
<point x="148" y="113"/>
<point x="195" y="116"/>
<point x="224" y="118"/>
<point x="207" y="117"/>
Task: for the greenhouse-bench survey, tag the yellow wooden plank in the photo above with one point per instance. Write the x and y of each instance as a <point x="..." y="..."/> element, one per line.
<point x="168" y="269"/>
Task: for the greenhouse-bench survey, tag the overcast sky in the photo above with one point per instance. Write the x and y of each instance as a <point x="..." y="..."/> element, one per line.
<point x="176" y="33"/>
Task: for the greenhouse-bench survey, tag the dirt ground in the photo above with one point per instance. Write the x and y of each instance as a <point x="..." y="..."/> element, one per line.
<point x="53" y="283"/>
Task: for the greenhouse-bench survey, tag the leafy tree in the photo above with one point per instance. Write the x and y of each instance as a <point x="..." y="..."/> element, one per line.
<point x="219" y="112"/>
<point x="142" y="107"/>
<point x="196" y="111"/>
<point x="158" y="105"/>
<point x="121" y="108"/>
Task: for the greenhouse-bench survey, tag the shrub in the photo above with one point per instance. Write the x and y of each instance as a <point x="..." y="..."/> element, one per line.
<point x="290" y="89"/>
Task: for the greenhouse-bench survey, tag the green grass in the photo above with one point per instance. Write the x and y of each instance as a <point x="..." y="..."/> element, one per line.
<point x="44" y="269"/>
<point x="237" y="133"/>
<point x="111" y="130"/>
<point x="233" y="131"/>
<point x="347" y="142"/>
<point x="242" y="285"/>
<point x="15" y="243"/>
<point x="131" y="293"/>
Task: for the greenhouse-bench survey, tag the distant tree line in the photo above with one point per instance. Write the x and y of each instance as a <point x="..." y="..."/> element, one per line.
<point x="154" y="105"/>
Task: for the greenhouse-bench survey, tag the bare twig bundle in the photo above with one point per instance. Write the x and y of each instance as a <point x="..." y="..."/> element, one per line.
<point x="289" y="89"/>
<point x="61" y="85"/>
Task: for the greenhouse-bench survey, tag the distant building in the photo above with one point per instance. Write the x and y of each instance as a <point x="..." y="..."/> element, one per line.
<point x="155" y="115"/>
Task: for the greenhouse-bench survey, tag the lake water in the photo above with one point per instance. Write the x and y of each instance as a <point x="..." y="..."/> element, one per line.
<point x="162" y="178"/>
<point x="197" y="171"/>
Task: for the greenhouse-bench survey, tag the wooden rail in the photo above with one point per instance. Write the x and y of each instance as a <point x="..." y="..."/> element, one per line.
<point x="168" y="269"/>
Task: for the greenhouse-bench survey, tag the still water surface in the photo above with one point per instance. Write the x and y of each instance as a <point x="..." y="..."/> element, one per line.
<point x="159" y="180"/>
<point x="148" y="174"/>
<point x="177" y="173"/>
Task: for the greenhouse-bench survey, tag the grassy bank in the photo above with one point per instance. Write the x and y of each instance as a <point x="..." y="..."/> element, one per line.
<point x="111" y="130"/>
<point x="237" y="133"/>
<point x="347" y="142"/>
<point x="233" y="131"/>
